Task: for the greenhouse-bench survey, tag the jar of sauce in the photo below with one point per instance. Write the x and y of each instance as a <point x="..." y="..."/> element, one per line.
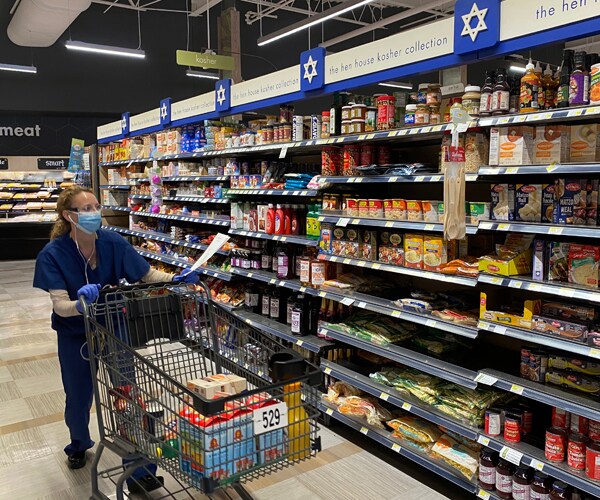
<point x="521" y="487"/>
<point x="422" y="115"/>
<point x="560" y="491"/>
<point x="540" y="486"/>
<point x="434" y="94"/>
<point x="409" y="116"/>
<point x="434" y="115"/>
<point x="504" y="474"/>
<point x="488" y="460"/>
<point x="453" y="100"/>
<point x="422" y="94"/>
<point x="471" y="100"/>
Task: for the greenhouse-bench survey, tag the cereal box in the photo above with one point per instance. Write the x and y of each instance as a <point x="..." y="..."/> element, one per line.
<point x="569" y="201"/>
<point x="583" y="265"/>
<point x="434" y="252"/>
<point x="413" y="251"/>
<point x="511" y="145"/>
<point x="391" y="250"/>
<point x="503" y="202"/>
<point x="547" y="202"/>
<point x="528" y="202"/>
<point x="585" y="143"/>
<point x="368" y="244"/>
<point x="551" y="144"/>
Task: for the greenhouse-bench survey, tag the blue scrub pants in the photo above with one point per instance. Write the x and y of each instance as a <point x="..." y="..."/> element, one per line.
<point x="77" y="382"/>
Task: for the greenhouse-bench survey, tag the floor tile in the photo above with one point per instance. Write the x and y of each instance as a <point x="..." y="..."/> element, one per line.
<point x="39" y="368"/>
<point x="14" y="411"/>
<point x="9" y="391"/>
<point x="36" y="478"/>
<point x="47" y="403"/>
<point x="32" y="386"/>
<point x="16" y="353"/>
<point x="23" y="446"/>
<point x="5" y="375"/>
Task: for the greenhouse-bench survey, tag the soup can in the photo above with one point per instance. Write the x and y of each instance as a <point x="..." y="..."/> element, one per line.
<point x="556" y="441"/>
<point x="592" y="461"/>
<point x="576" y="451"/>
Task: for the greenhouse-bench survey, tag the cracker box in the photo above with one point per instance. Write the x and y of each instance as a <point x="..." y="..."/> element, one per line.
<point x="583" y="265"/>
<point x="435" y="253"/>
<point x="559" y="327"/>
<point x="530" y="307"/>
<point x="368" y="244"/>
<point x="569" y="201"/>
<point x="503" y="202"/>
<point x="585" y="143"/>
<point x="528" y="202"/>
<point x="413" y="251"/>
<point x="207" y="389"/>
<point x="551" y="144"/>
<point x="511" y="145"/>
<point x="241" y="448"/>
<point x="270" y="446"/>
<point x="338" y="244"/>
<point x="547" y="202"/>
<point x="352" y="244"/>
<point x="391" y="250"/>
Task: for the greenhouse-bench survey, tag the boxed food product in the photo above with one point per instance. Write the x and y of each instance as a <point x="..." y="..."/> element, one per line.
<point x="534" y="364"/>
<point x="435" y="253"/>
<point x="569" y="312"/>
<point x="208" y="388"/>
<point x="503" y="202"/>
<point x="477" y="150"/>
<point x="270" y="445"/>
<point x="352" y="244"/>
<point x="511" y="145"/>
<point x="591" y="203"/>
<point x="574" y="365"/>
<point x="338" y="244"/>
<point x="559" y="327"/>
<point x="368" y="244"/>
<point x="583" y="265"/>
<point x="558" y="260"/>
<point x="414" y="210"/>
<point x="569" y="201"/>
<point x="547" y="202"/>
<point x="479" y="211"/>
<point x="326" y="237"/>
<point x="551" y="144"/>
<point x="262" y="217"/>
<point x="528" y="202"/>
<point x="521" y="264"/>
<point x="391" y="250"/>
<point x="576" y="381"/>
<point x="430" y="211"/>
<point x="530" y="307"/>
<point x="539" y="258"/>
<point x="413" y="251"/>
<point x="585" y="142"/>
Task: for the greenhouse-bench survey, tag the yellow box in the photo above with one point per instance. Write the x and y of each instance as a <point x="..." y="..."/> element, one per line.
<point x="413" y="251"/>
<point x="530" y="308"/>
<point x="435" y="252"/>
<point x="521" y="264"/>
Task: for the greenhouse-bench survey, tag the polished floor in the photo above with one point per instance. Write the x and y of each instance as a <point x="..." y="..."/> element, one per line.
<point x="33" y="434"/>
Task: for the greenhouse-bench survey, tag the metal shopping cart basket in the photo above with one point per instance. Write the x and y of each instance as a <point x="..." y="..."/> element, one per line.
<point x="180" y="382"/>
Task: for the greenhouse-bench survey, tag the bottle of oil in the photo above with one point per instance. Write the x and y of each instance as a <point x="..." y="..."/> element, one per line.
<point x="562" y="99"/>
<point x="530" y="84"/>
<point x="548" y="90"/>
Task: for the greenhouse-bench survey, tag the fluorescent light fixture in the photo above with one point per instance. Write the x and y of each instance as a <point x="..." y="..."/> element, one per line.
<point x="397" y="85"/>
<point x="202" y="74"/>
<point x="17" y="68"/>
<point x="105" y="49"/>
<point x="517" y="69"/>
<point x="336" y="11"/>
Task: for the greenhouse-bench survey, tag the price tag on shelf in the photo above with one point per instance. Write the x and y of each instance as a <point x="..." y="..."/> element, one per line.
<point x="483" y="494"/>
<point x="343" y="222"/>
<point x="362" y="305"/>
<point x="282" y="283"/>
<point x="437" y="128"/>
<point x="364" y="430"/>
<point x="501" y="330"/>
<point x="431" y="323"/>
<point x="347" y="301"/>
<point x="486" y="225"/>
<point x="517" y="389"/>
<point x="419" y="178"/>
<point x="496" y="280"/>
<point x="485" y="379"/>
<point x="396" y="314"/>
<point x="393" y="179"/>
<point x="535" y="287"/>
<point x="403" y="132"/>
<point x="302" y="289"/>
<point x="575" y="112"/>
<point x="370" y="136"/>
<point x="594" y="110"/>
<point x="519" y="119"/>
<point x="429" y="227"/>
<point x="361" y="263"/>
<point x="568" y="292"/>
<point x="483" y="325"/>
<point x="396" y="447"/>
<point x="361" y="137"/>
<point x="272" y="281"/>
<point x="283" y="152"/>
<point x="503" y="120"/>
<point x="483" y="440"/>
<point x="515" y="284"/>
<point x="355" y="221"/>
<point x="358" y="179"/>
<point x="536" y="464"/>
<point x="299" y="342"/>
<point x="531" y="118"/>
<point x="555" y="230"/>
<point x="376" y="266"/>
<point x="321" y="218"/>
<point x="346" y="261"/>
<point x="503" y="227"/>
<point x="512" y="170"/>
<point x="389" y="223"/>
<point x="322" y="294"/>
<point x="406" y="406"/>
<point x="513" y="456"/>
<point x="329" y="411"/>
<point x="384" y="396"/>
<point x="594" y="353"/>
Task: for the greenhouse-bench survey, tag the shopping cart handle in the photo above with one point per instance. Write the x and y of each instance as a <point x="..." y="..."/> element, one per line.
<point x="141" y="286"/>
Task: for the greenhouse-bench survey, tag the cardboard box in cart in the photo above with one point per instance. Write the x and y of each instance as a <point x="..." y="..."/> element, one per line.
<point x="272" y="445"/>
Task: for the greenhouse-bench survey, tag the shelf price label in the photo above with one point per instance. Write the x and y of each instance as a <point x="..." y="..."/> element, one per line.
<point x="555" y="230"/>
<point x="515" y="284"/>
<point x="429" y="227"/>
<point x="396" y="314"/>
<point x="536" y="464"/>
<point x="384" y="396"/>
<point x="483" y="494"/>
<point x="503" y="227"/>
<point x="347" y="301"/>
<point x="299" y="342"/>
<point x="535" y="287"/>
<point x="512" y="170"/>
<point x="483" y="440"/>
<point x="485" y="379"/>
<point x="513" y="456"/>
<point x="364" y="430"/>
<point x="329" y="411"/>
<point x="396" y="447"/>
<point x="270" y="418"/>
<point x="406" y="406"/>
<point x="594" y="353"/>
<point x="517" y="389"/>
<point x="343" y="222"/>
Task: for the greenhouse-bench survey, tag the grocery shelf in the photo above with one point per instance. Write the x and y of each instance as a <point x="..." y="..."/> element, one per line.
<point x="289" y="238"/>
<point x="199" y="220"/>
<point x="191" y="178"/>
<point x="383" y="179"/>
<point x="529" y="455"/>
<point x="385" y="438"/>
<point x="417" y="273"/>
<point x="125" y="187"/>
<point x="539" y="338"/>
<point x="267" y="325"/>
<point x="118" y="208"/>
<point x="117" y="163"/>
<point x="404" y="401"/>
<point x="151" y="235"/>
<point x="196" y="199"/>
<point x="345" y="220"/>
<point x="549" y="287"/>
<point x="422" y="362"/>
<point x="561" y="115"/>
<point x="547" y="394"/>
<point x="535" y="228"/>
<point x="274" y="192"/>
<point x="555" y="168"/>
<point x="207" y="271"/>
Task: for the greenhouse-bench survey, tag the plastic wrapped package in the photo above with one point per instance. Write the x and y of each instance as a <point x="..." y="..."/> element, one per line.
<point x="456" y="456"/>
<point x="415" y="429"/>
<point x="422" y="447"/>
<point x="365" y="407"/>
<point x="340" y="390"/>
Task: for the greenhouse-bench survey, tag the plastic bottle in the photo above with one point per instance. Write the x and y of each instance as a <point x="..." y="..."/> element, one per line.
<point x="310" y="219"/>
<point x="270" y="224"/>
<point x="579" y="88"/>
<point x="335" y="116"/>
<point x="279" y="220"/>
<point x="298" y="316"/>
<point x="485" y="107"/>
<point x="530" y="84"/>
<point x="295" y="219"/>
<point x="538" y="69"/>
<point x="515" y="94"/>
<point x="549" y="90"/>
<point x="287" y="221"/>
<point x="501" y="96"/>
<point x="562" y="100"/>
<point x="298" y="429"/>
<point x="283" y="264"/>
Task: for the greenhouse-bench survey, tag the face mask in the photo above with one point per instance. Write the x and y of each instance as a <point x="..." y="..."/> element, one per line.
<point x="89" y="222"/>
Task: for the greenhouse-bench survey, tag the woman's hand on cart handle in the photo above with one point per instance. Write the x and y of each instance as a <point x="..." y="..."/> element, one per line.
<point x="89" y="293"/>
<point x="188" y="276"/>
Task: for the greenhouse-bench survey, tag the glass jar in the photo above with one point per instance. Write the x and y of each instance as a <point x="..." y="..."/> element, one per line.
<point x="287" y="133"/>
<point x="346" y="127"/>
<point x="422" y="114"/>
<point x="325" y="122"/>
<point x="521" y="487"/>
<point x="504" y="473"/>
<point x="371" y="120"/>
<point x="488" y="460"/>
<point x="471" y="100"/>
<point x="409" y="116"/>
<point x="560" y="491"/>
<point x="434" y="94"/>
<point x="434" y="115"/>
<point x="540" y="489"/>
<point x="422" y="94"/>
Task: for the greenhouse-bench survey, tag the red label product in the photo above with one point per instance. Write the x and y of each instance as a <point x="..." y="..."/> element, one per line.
<point x="556" y="441"/>
<point x="576" y="451"/>
<point x="512" y="427"/>
<point x="579" y="424"/>
<point x="592" y="461"/>
<point x="560" y="418"/>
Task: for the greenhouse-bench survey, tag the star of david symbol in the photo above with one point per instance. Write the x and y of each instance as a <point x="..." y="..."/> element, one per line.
<point x="123" y="124"/>
<point x="163" y="111"/>
<point x="310" y="74"/>
<point x="481" y="26"/>
<point x="221" y="95"/>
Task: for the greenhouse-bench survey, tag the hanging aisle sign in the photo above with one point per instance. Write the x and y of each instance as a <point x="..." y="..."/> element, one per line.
<point x="275" y="84"/>
<point x="204" y="60"/>
<point x="194" y="106"/>
<point x="144" y="120"/>
<point x="112" y="129"/>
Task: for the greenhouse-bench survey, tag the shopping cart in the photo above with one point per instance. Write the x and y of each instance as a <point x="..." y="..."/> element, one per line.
<point x="160" y="356"/>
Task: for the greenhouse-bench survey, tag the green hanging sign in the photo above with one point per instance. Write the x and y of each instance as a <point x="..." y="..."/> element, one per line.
<point x="203" y="60"/>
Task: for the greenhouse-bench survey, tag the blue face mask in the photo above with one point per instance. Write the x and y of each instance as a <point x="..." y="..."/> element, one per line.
<point x="89" y="222"/>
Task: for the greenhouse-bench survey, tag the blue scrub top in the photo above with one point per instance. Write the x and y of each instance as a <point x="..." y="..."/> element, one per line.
<point x="60" y="266"/>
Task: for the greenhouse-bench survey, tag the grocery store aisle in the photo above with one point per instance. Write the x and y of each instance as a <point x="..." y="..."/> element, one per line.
<point x="33" y="434"/>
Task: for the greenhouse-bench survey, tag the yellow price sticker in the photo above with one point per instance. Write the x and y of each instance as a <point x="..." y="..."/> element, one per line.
<point x="389" y="223"/>
<point x="396" y="314"/>
<point x="384" y="396"/>
<point x="322" y="294"/>
<point x="299" y="342"/>
<point x="364" y="430"/>
<point x="327" y="371"/>
<point x="302" y="289"/>
<point x="406" y="406"/>
<point x="483" y="494"/>
<point x="396" y="447"/>
<point x="503" y="227"/>
<point x="517" y="389"/>
<point x="555" y="230"/>
<point x="594" y="353"/>
<point x="329" y="411"/>
<point x="512" y="170"/>
<point x="376" y="266"/>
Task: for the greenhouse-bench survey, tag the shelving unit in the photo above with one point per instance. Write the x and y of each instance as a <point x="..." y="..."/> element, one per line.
<point x="544" y="229"/>
<point x="207" y="271"/>
<point x="295" y="239"/>
<point x="183" y="218"/>
<point x="274" y="192"/>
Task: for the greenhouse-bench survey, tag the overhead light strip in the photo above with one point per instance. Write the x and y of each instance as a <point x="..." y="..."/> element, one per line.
<point x="517" y="69"/>
<point x="105" y="49"/>
<point x="17" y="68"/>
<point x="397" y="85"/>
<point x="313" y="21"/>
<point x="202" y="74"/>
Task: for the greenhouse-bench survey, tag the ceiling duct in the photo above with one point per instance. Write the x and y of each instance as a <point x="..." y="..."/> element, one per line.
<point x="39" y="23"/>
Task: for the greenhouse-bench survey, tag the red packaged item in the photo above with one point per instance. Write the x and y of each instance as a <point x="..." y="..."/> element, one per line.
<point x="560" y="418"/>
<point x="592" y="461"/>
<point x="579" y="424"/>
<point x="594" y="430"/>
<point x="492" y="422"/>
<point x="367" y="156"/>
<point x="512" y="427"/>
<point x="556" y="443"/>
<point x="576" y="451"/>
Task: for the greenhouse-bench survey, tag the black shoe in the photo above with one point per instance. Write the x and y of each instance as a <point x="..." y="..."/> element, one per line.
<point x="145" y="484"/>
<point x="77" y="460"/>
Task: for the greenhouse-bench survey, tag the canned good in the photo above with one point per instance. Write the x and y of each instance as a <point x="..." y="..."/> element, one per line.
<point x="363" y="207"/>
<point x="384" y="155"/>
<point x="592" y="461"/>
<point x="560" y="418"/>
<point x="594" y="430"/>
<point x="297" y="128"/>
<point x="556" y="440"/>
<point x="351" y="159"/>
<point x="385" y="112"/>
<point x="367" y="155"/>
<point x="579" y="424"/>
<point x="492" y="423"/>
<point x="376" y="208"/>
<point x="512" y="427"/>
<point x="352" y="207"/>
<point x="576" y="451"/>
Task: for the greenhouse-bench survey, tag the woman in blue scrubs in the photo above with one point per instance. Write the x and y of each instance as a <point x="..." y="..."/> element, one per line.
<point x="80" y="259"/>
